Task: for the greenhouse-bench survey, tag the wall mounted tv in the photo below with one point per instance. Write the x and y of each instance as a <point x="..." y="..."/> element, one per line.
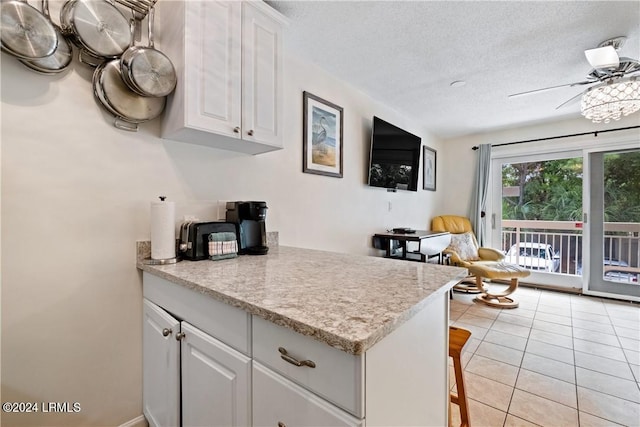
<point x="395" y="157"/>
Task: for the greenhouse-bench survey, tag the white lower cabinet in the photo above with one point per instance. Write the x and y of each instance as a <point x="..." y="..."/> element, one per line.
<point x="209" y="384"/>
<point x="229" y="368"/>
<point x="216" y="382"/>
<point x="278" y="402"/>
<point x="160" y="366"/>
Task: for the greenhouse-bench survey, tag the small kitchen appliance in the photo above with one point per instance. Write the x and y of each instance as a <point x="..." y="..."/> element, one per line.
<point x="194" y="237"/>
<point x="249" y="218"/>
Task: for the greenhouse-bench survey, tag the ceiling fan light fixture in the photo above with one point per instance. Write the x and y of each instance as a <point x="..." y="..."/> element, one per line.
<point x="611" y="100"/>
<point x="603" y="57"/>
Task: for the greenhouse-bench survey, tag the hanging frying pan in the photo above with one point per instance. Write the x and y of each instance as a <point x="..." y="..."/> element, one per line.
<point x="97" y="27"/>
<point x="60" y="59"/>
<point x="128" y="107"/>
<point x="25" y="32"/>
<point x="146" y="70"/>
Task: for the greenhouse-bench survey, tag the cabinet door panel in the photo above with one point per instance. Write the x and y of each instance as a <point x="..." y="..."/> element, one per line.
<point x="262" y="77"/>
<point x="212" y="65"/>
<point x="161" y="367"/>
<point x="216" y="382"/>
<point x="277" y="400"/>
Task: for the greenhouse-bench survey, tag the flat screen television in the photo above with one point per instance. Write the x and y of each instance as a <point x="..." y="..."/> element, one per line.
<point x="394" y="158"/>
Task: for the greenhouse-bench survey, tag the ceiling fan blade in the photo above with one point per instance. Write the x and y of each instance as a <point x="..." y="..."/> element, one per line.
<point x="603" y="57"/>
<point x="629" y="66"/>
<point x="569" y="101"/>
<point x="529" y="92"/>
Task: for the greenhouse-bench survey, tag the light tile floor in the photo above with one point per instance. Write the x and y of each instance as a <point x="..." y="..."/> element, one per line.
<point x="556" y="360"/>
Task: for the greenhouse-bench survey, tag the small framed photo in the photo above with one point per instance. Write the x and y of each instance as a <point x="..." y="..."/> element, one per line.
<point x="322" y="137"/>
<point x="428" y="168"/>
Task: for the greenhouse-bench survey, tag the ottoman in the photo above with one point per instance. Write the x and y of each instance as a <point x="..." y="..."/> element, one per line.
<point x="497" y="270"/>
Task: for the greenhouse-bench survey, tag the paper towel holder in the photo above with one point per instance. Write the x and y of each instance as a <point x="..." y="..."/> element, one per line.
<point x="151" y="261"/>
<point x="166" y="261"/>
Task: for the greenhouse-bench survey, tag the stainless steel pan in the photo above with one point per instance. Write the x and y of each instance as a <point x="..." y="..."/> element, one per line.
<point x="128" y="107"/>
<point x="98" y="27"/>
<point x="148" y="71"/>
<point x="25" y="32"/>
<point x="60" y="59"/>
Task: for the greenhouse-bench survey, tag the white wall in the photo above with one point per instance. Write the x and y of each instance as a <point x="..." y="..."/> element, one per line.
<point x="75" y="198"/>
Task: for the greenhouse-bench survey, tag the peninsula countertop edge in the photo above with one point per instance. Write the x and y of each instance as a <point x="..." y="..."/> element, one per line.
<point x="347" y="301"/>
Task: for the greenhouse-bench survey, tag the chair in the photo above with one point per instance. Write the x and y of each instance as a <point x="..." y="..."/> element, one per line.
<point x="463" y="251"/>
<point x="457" y="339"/>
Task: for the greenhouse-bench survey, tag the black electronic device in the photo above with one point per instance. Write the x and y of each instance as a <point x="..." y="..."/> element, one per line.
<point x="403" y="230"/>
<point x="249" y="219"/>
<point x="194" y="237"/>
<point x="394" y="159"/>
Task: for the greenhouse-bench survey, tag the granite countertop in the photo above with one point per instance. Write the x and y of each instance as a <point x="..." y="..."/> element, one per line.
<point x="347" y="301"/>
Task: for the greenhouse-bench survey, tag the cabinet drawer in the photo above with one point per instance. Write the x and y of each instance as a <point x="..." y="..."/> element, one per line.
<point x="229" y="324"/>
<point x="279" y="402"/>
<point x="337" y="376"/>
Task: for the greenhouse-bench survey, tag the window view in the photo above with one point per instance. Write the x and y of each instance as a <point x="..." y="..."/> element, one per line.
<point x="622" y="217"/>
<point x="542" y="215"/>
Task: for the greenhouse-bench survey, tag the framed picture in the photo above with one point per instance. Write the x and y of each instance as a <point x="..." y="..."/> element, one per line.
<point x="428" y="168"/>
<point x="322" y="137"/>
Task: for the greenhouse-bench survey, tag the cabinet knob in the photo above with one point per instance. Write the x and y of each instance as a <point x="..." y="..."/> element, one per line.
<point x="180" y="336"/>
<point x="236" y="129"/>
<point x="166" y="332"/>
<point x="281" y="424"/>
<point x="287" y="358"/>
<point x="250" y="133"/>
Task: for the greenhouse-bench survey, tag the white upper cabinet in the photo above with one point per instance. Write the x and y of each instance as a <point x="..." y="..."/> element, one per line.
<point x="228" y="56"/>
<point x="261" y="75"/>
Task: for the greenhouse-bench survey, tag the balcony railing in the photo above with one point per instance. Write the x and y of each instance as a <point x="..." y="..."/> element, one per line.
<point x="621" y="242"/>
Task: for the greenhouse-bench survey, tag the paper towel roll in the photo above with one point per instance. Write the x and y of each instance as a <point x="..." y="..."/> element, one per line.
<point x="163" y="230"/>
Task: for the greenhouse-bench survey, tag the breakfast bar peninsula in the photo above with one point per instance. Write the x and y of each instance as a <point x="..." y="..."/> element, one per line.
<point x="297" y="337"/>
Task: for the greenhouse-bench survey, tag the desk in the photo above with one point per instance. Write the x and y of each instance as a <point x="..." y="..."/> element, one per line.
<point x="430" y="244"/>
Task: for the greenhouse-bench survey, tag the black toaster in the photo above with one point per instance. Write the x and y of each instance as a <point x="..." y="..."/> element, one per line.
<point x="194" y="237"/>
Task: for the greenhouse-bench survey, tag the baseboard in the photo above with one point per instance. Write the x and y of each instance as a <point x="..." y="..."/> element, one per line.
<point x="574" y="291"/>
<point x="139" y="421"/>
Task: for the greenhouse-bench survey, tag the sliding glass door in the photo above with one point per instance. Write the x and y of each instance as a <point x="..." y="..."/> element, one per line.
<point x="613" y="221"/>
<point x="537" y="215"/>
<point x="571" y="217"/>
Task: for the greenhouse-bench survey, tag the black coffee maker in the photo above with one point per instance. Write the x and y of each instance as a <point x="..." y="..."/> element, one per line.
<point x="249" y="218"/>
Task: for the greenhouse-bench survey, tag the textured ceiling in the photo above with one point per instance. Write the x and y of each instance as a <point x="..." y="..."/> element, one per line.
<point x="405" y="54"/>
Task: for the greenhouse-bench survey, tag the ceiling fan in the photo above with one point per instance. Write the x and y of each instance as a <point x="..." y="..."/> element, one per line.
<point x="608" y="68"/>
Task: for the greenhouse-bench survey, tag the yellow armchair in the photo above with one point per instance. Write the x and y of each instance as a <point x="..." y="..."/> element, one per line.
<point x="467" y="245"/>
<point x="482" y="263"/>
<point x="463" y="250"/>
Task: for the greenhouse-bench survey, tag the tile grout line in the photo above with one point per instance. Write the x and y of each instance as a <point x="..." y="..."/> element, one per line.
<point x="588" y="388"/>
<point x="575" y="364"/>
<point x="626" y="357"/>
<point x="513" y="390"/>
<point x="575" y="352"/>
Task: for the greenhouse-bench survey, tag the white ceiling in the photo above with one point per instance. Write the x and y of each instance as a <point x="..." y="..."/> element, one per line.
<point x="405" y="54"/>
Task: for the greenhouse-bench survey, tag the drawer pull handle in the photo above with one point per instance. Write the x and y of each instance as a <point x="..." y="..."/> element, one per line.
<point x="285" y="356"/>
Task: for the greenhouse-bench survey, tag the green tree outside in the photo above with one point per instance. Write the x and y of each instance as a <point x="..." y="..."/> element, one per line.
<point x="552" y="190"/>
